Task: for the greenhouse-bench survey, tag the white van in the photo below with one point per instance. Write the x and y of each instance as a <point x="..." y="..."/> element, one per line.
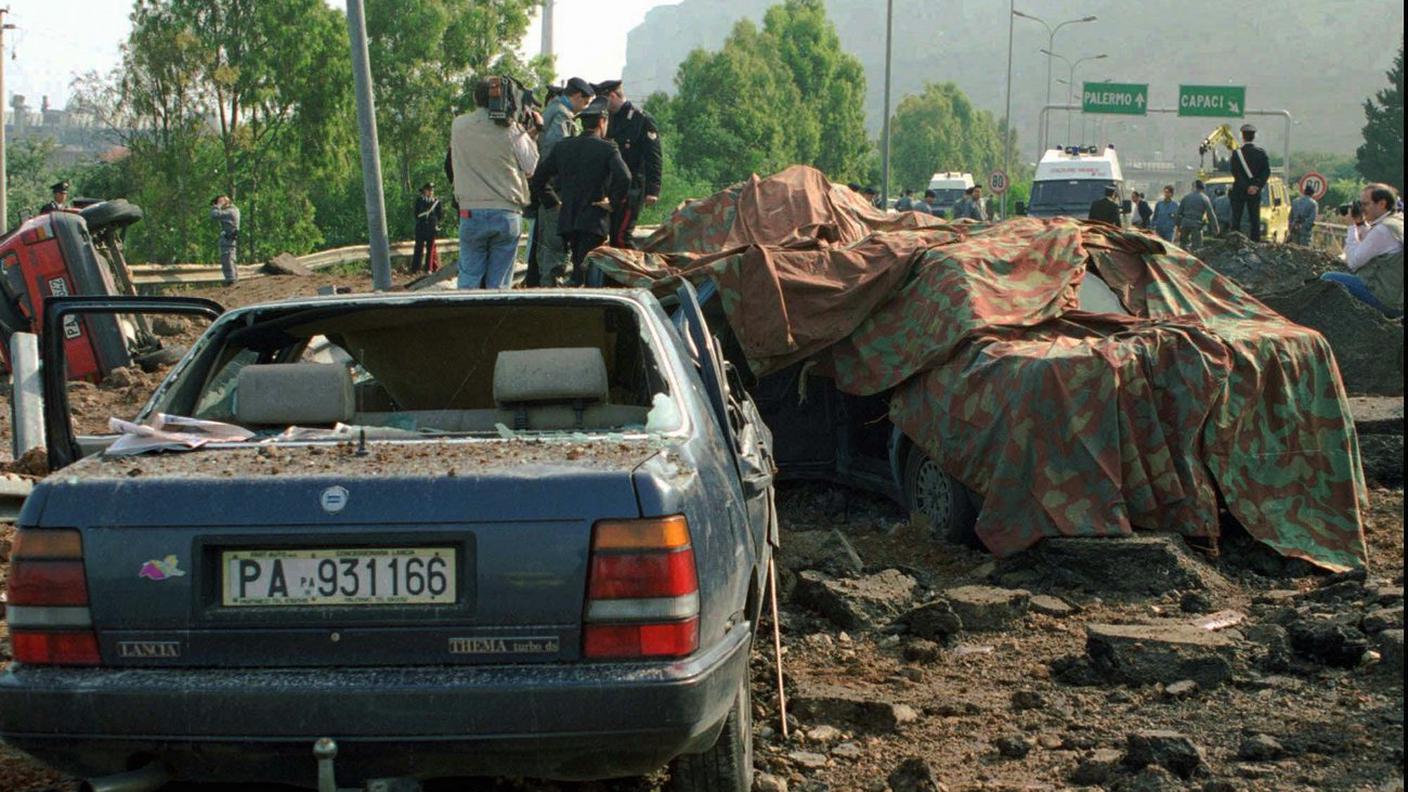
<point x="1068" y="180"/>
<point x="948" y="188"/>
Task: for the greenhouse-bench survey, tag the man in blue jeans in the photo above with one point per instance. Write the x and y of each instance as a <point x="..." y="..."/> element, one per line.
<point x="489" y="163"/>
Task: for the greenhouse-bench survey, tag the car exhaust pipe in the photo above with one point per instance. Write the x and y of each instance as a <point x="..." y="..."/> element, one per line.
<point x="144" y="779"/>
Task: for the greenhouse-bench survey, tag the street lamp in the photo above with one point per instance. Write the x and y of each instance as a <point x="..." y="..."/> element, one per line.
<point x="1050" y="46"/>
<point x="1071" y="82"/>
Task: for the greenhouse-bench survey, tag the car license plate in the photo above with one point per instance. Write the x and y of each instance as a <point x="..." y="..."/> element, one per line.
<point x="331" y="576"/>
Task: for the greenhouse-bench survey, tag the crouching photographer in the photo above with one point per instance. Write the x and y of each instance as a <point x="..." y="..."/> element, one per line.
<point x="492" y="155"/>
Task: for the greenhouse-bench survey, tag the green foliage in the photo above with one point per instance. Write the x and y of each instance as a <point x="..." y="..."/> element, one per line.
<point x="426" y="56"/>
<point x="225" y="97"/>
<point x="254" y="99"/>
<point x="1380" y="158"/>
<point x="941" y="130"/>
<point x="677" y="185"/>
<point x="29" y="173"/>
<point x="770" y="98"/>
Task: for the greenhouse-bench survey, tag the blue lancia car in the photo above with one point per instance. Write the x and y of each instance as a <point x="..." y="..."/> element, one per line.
<point x="404" y="537"/>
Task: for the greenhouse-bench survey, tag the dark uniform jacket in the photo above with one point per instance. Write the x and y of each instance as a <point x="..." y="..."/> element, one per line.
<point x="586" y="168"/>
<point x="429" y="211"/>
<point x="639" y="140"/>
<point x="52" y="206"/>
<point x="1258" y="163"/>
<point x="1105" y="210"/>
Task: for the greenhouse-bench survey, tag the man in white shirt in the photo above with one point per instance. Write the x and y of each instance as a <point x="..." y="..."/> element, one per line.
<point x="1373" y="251"/>
<point x="489" y="164"/>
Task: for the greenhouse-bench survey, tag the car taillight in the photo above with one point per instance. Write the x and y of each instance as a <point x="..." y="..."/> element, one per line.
<point x="642" y="591"/>
<point x="47" y="607"/>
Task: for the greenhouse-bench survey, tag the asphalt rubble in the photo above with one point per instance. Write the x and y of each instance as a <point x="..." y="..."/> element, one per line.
<point x="1121" y="664"/>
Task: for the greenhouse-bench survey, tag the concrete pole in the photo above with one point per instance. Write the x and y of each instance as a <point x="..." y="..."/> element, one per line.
<point x="1007" y="116"/>
<point x="545" y="48"/>
<point x="885" y="149"/>
<point x="380" y="247"/>
<point x="4" y="171"/>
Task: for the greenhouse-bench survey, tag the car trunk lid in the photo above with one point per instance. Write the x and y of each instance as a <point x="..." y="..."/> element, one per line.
<point x="217" y="557"/>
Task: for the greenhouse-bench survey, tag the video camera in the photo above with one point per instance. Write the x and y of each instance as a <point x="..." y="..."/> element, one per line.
<point x="510" y="101"/>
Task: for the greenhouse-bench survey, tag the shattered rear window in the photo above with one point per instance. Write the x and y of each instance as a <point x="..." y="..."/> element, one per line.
<point x="402" y="371"/>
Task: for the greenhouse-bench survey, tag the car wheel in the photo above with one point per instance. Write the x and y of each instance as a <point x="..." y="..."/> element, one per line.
<point x="942" y="500"/>
<point x="116" y="213"/>
<point x="728" y="764"/>
<point x="159" y="358"/>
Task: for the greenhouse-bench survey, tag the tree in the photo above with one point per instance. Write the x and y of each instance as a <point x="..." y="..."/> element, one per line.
<point x="831" y="83"/>
<point x="1380" y="158"/>
<point x="783" y="95"/>
<point x="738" y="111"/>
<point x="941" y="130"/>
<point x="425" y="57"/>
<point x="28" y="175"/>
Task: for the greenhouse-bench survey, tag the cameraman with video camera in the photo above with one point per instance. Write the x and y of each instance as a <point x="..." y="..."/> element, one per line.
<point x="492" y="154"/>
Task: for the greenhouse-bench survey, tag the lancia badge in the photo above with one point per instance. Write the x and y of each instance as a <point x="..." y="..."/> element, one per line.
<point x="334" y="499"/>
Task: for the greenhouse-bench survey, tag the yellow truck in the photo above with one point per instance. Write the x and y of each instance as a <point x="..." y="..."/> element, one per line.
<point x="1275" y="206"/>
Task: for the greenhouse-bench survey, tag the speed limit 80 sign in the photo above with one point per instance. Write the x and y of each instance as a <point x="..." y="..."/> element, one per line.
<point x="1316" y="183"/>
<point x="997" y="182"/>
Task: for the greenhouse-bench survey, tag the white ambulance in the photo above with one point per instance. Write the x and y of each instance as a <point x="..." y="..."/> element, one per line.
<point x="1068" y="180"/>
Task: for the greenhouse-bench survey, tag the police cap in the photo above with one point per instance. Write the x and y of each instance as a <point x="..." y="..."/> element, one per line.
<point x="870" y="191"/>
<point x="578" y="85"/>
<point x="596" y="108"/>
<point x="1248" y="128"/>
<point x="427" y="186"/>
<point x="606" y="86"/>
<point x="59" y="187"/>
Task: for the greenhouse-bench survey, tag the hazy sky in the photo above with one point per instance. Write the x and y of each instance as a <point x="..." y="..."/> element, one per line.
<point x="57" y="39"/>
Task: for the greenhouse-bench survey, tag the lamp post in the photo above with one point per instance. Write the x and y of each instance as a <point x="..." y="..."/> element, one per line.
<point x="1007" y="116"/>
<point x="885" y="148"/>
<point x="1050" y="47"/>
<point x="1071" y="82"/>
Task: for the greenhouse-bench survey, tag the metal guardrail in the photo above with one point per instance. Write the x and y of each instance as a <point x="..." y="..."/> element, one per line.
<point x="1328" y="237"/>
<point x="199" y="274"/>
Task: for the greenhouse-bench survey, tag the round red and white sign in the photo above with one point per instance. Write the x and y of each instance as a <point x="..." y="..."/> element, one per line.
<point x="1316" y="182"/>
<point x="997" y="182"/>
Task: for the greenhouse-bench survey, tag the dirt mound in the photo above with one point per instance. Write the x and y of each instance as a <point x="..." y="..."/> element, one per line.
<point x="1367" y="346"/>
<point x="1266" y="269"/>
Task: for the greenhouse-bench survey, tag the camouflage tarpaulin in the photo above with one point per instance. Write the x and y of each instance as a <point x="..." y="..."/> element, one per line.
<point x="1067" y="422"/>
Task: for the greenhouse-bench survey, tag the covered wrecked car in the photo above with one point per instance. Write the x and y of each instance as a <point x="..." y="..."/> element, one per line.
<point x="1051" y="377"/>
<point x="460" y="534"/>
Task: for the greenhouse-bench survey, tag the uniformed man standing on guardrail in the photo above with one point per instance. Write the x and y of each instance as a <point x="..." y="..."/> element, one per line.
<point x="1250" y="170"/>
<point x="224" y="212"/>
<point x="1304" y="210"/>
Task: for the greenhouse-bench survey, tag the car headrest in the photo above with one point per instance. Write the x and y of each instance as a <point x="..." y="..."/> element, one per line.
<point x="291" y="394"/>
<point x="550" y="376"/>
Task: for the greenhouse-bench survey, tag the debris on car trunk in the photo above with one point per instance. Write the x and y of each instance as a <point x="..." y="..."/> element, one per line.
<point x="1199" y="396"/>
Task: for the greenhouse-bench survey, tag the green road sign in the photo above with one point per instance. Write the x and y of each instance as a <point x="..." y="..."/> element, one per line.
<point x="1118" y="98"/>
<point x="1217" y="101"/>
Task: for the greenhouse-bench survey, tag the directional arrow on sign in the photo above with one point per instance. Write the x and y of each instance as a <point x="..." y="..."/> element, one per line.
<point x="1139" y="100"/>
<point x="1236" y="108"/>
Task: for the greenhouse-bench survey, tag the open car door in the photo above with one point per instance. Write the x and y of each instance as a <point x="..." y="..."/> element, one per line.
<point x="738" y="417"/>
<point x="63" y="443"/>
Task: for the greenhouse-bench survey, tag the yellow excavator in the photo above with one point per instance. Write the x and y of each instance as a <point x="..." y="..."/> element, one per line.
<point x="1220" y="136"/>
<point x="1275" y="202"/>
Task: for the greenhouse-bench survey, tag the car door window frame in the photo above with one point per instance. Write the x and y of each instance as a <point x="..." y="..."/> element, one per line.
<point x="62" y="443"/>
